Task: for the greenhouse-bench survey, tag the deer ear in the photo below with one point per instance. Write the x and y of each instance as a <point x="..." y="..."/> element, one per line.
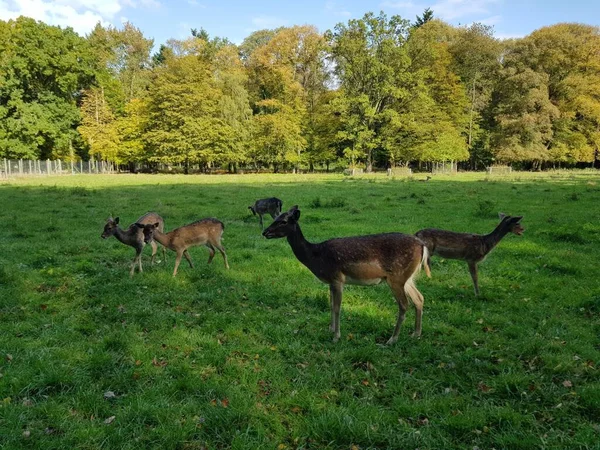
<point x="117" y="220"/>
<point x="156" y="225"/>
<point x="296" y="214"/>
<point x="501" y="215"/>
<point x="517" y="219"/>
<point x="139" y="225"/>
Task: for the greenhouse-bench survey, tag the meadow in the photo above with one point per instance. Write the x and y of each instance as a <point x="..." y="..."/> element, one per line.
<point x="212" y="359"/>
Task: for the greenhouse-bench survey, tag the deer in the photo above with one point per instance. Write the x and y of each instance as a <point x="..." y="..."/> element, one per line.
<point x="133" y="237"/>
<point x="472" y="248"/>
<point x="270" y="206"/>
<point x="425" y="180"/>
<point x="364" y="260"/>
<point x="206" y="232"/>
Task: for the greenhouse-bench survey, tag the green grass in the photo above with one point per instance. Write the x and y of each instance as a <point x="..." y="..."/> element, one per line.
<point x="244" y="359"/>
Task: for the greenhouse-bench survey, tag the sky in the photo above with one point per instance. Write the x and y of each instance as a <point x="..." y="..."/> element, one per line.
<point x="236" y="19"/>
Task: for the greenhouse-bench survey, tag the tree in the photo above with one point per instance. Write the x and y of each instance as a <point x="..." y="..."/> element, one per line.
<point x="424" y="18"/>
<point x="371" y="64"/>
<point x="183" y="123"/>
<point x="477" y="61"/>
<point x="43" y="70"/>
<point x="98" y="126"/>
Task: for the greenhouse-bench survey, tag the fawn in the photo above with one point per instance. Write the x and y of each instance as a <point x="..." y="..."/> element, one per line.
<point x="133" y="236"/>
<point x="206" y="232"/>
<point x="472" y="248"/>
<point x="365" y="260"/>
<point x="270" y="206"/>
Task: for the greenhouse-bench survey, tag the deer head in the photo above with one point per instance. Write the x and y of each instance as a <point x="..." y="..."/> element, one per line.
<point x="284" y="225"/>
<point x="110" y="228"/>
<point x="512" y="223"/>
<point x="148" y="230"/>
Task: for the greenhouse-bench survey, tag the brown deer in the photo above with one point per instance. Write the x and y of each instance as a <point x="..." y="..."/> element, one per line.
<point x="472" y="248"/>
<point x="134" y="237"/>
<point x="270" y="206"/>
<point x="365" y="260"/>
<point x="206" y="232"/>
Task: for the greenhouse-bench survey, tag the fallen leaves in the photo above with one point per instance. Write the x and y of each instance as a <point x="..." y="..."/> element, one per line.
<point x="110" y="420"/>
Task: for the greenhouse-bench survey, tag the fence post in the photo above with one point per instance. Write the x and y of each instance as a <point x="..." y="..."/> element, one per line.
<point x="29" y="164"/>
<point x="9" y="168"/>
<point x="59" y="166"/>
<point x="48" y="167"/>
<point x="5" y="168"/>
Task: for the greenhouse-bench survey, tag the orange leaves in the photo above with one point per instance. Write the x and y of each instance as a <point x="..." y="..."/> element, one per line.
<point x="223" y="403"/>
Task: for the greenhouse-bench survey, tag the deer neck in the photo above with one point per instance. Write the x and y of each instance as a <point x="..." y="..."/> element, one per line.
<point x="491" y="240"/>
<point x="162" y="238"/>
<point x="301" y="247"/>
<point x="126" y="237"/>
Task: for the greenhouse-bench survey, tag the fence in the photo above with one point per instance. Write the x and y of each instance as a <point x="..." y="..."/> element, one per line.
<point x="445" y="168"/>
<point x="399" y="172"/>
<point x="11" y="168"/>
<point x="499" y="170"/>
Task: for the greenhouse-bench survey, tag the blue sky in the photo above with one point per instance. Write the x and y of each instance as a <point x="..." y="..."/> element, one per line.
<point x="235" y="19"/>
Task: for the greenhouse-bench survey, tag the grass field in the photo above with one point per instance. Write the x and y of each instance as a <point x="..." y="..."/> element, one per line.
<point x="91" y="358"/>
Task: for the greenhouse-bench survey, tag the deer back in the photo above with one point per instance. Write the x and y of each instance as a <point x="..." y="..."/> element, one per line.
<point x="197" y="233"/>
<point x="366" y="259"/>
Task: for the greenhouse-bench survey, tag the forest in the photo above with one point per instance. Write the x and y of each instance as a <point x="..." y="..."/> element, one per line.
<point x="374" y="92"/>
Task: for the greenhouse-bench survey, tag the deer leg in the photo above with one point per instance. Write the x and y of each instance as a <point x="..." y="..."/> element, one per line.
<point x="222" y="250"/>
<point x="154" y="249"/>
<point x="177" y="261"/>
<point x="211" y="249"/>
<point x="136" y="260"/>
<point x="473" y="270"/>
<point x="189" y="258"/>
<point x="262" y="227"/>
<point x="400" y="296"/>
<point x="336" y="290"/>
<point x="332" y="323"/>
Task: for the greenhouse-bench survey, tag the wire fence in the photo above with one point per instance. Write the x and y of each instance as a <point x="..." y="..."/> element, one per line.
<point x="13" y="168"/>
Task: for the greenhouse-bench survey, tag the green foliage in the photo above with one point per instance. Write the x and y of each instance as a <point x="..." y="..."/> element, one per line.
<point x="43" y="70"/>
<point x="374" y="91"/>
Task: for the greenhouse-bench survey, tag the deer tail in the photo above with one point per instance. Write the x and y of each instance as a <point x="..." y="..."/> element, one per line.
<point x="425" y="261"/>
<point x="410" y="288"/>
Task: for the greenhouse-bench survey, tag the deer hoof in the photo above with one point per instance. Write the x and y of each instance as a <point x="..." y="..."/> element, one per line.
<point x="391" y="340"/>
<point x="416" y="335"/>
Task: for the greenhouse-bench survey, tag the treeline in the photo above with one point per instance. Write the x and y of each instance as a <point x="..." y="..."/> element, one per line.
<point x="375" y="92"/>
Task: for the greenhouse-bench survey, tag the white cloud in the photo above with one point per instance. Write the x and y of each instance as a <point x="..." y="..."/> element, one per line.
<point x="493" y="20"/>
<point x="447" y="9"/>
<point x="508" y="35"/>
<point x="269" y="22"/>
<point x="81" y="15"/>
<point x="398" y="5"/>
<point x="455" y="9"/>
<point x="334" y="8"/>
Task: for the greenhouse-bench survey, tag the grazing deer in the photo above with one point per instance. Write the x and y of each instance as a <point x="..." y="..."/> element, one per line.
<point x="206" y="232"/>
<point x="270" y="206"/>
<point x="426" y="179"/>
<point x="472" y="248"/>
<point x="366" y="260"/>
<point x="133" y="236"/>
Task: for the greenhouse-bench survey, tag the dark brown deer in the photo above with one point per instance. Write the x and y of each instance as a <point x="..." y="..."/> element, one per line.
<point x="206" y="232"/>
<point x="270" y="206"/>
<point x="366" y="260"/>
<point x="133" y="236"/>
<point x="472" y="248"/>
